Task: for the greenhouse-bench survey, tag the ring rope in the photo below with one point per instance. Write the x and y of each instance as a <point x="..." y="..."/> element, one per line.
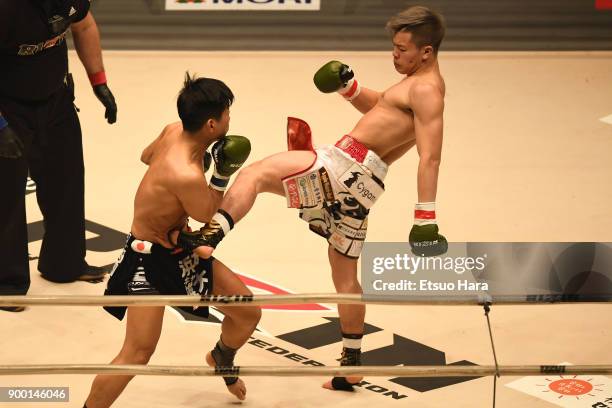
<point x="487" y="310"/>
<point x="257" y="300"/>
<point x="343" y="371"/>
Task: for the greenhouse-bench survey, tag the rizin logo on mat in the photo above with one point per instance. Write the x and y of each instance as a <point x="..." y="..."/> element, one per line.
<point x="573" y="391"/>
<point x="570" y="387"/>
<point x="252" y="5"/>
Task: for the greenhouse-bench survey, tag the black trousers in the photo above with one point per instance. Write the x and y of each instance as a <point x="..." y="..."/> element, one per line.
<point x="51" y="133"/>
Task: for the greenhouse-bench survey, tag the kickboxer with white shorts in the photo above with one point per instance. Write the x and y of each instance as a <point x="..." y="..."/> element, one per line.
<point x="335" y="186"/>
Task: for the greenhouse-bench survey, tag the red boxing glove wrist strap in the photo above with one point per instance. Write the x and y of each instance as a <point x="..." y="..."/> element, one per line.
<point x="98" y="78"/>
<point x="425" y="215"/>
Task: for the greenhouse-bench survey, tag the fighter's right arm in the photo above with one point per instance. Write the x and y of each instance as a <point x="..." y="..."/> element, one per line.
<point x="338" y="77"/>
<point x="199" y="200"/>
<point x="366" y="100"/>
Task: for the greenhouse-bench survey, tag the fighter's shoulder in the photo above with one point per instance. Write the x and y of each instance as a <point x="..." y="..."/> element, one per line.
<point x="423" y="87"/>
<point x="172" y="127"/>
<point x="185" y="175"/>
<point x="426" y="95"/>
<point x="169" y="132"/>
<point x="417" y="86"/>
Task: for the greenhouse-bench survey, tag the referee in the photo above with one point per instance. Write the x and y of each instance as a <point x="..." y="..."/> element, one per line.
<point x="40" y="133"/>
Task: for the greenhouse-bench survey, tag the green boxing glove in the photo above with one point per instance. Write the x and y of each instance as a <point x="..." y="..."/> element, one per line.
<point x="337" y="77"/>
<point x="229" y="154"/>
<point x="424" y="237"/>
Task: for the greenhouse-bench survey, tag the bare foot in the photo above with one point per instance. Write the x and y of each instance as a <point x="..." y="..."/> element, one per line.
<point x="238" y="389"/>
<point x="352" y="380"/>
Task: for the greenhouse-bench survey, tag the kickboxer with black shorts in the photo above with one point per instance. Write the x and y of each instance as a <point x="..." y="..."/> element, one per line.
<point x="173" y="189"/>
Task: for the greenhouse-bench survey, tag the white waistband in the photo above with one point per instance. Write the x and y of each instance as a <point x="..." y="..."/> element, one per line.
<point x="372" y="162"/>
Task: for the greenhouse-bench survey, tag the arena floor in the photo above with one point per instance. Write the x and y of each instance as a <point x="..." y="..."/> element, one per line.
<point x="526" y="158"/>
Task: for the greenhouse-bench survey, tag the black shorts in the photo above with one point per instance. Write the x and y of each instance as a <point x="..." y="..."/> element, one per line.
<point x="163" y="271"/>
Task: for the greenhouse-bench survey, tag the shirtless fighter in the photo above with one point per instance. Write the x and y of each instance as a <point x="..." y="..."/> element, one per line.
<point x="335" y="186"/>
<point x="174" y="188"/>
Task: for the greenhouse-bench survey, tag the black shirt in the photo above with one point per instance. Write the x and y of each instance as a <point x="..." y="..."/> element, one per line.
<point x="34" y="61"/>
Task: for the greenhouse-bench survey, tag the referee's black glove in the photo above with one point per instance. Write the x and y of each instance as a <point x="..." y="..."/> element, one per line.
<point x="108" y="100"/>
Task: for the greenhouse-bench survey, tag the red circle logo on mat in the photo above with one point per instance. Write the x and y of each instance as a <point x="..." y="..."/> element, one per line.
<point x="571" y="387"/>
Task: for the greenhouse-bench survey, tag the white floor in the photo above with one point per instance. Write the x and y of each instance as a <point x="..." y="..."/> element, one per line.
<point x="526" y="158"/>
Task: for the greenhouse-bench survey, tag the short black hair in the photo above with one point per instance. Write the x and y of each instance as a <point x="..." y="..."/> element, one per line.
<point x="427" y="26"/>
<point x="202" y="99"/>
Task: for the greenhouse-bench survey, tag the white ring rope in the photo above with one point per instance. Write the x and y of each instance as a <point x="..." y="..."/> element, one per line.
<point x="258" y="300"/>
<point x="275" y="371"/>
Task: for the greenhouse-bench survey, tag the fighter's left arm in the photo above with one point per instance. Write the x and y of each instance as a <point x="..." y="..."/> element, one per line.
<point x="87" y="43"/>
<point x="427" y="103"/>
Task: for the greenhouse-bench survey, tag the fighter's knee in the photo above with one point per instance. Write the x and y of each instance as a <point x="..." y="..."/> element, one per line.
<point x="253" y="171"/>
<point x="347" y="286"/>
<point x="256" y="314"/>
<point x="137" y="354"/>
<point x="258" y="174"/>
<point x="251" y="315"/>
<point x="246" y="315"/>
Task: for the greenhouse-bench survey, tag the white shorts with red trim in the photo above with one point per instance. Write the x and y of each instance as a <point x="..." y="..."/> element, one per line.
<point x="335" y="195"/>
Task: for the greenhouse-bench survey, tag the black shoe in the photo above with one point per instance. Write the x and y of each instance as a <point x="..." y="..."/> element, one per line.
<point x="15" y="309"/>
<point x="92" y="274"/>
<point x="95" y="274"/>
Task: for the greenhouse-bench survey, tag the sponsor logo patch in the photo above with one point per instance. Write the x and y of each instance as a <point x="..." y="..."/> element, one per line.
<point x="328" y="191"/>
<point x="291" y="192"/>
<point x="304" y="191"/>
<point x="361" y="186"/>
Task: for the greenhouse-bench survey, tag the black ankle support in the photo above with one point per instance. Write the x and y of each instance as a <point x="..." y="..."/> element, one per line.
<point x="340" y="384"/>
<point x="350" y="357"/>
<point x="224" y="357"/>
